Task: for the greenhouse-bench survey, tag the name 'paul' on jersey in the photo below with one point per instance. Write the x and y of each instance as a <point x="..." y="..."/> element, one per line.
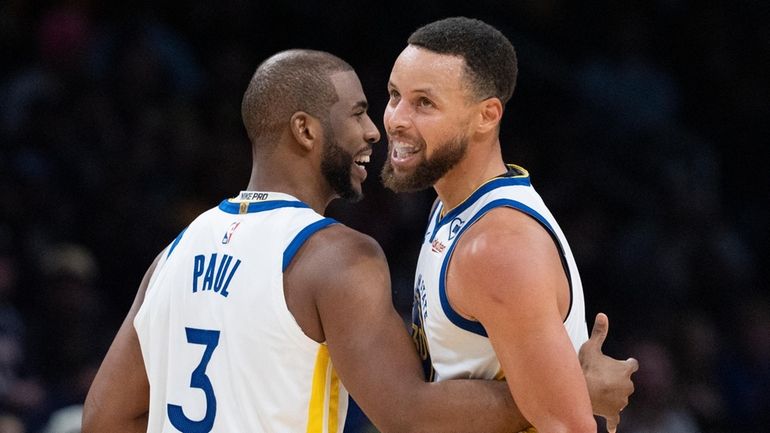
<point x="451" y="346"/>
<point x="223" y="352"/>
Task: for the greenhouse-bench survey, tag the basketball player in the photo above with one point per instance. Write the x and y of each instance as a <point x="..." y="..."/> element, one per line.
<point x="497" y="291"/>
<point x="236" y="323"/>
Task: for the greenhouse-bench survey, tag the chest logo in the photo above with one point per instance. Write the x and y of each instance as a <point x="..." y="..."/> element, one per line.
<point x="454" y="227"/>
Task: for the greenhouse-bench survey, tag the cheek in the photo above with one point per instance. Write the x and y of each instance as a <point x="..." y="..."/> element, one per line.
<point x="435" y="131"/>
<point x="352" y="136"/>
<point x="386" y="116"/>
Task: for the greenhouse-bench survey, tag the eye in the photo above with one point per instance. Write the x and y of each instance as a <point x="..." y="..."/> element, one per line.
<point x="394" y="95"/>
<point x="424" y="102"/>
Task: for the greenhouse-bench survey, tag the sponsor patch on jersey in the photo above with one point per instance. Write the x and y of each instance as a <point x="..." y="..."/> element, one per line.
<point x="437" y="246"/>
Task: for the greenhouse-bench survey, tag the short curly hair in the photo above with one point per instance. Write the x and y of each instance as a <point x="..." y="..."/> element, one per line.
<point x="490" y="59"/>
<point x="285" y="83"/>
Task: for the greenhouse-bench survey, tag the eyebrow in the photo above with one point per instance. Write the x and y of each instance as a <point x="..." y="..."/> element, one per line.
<point x="426" y="90"/>
<point x="361" y="104"/>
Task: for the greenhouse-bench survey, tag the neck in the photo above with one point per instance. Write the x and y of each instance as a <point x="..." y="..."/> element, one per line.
<point x="273" y="177"/>
<point x="481" y="163"/>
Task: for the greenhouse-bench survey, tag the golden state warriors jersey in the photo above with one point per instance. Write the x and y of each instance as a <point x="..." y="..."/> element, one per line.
<point x="222" y="351"/>
<point x="451" y="346"/>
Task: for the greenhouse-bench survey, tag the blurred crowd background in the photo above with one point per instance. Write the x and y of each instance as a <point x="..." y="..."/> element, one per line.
<point x="641" y="123"/>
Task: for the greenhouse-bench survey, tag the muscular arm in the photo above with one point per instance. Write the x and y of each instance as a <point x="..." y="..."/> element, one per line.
<point x="118" y="400"/>
<point x="346" y="275"/>
<point x="506" y="273"/>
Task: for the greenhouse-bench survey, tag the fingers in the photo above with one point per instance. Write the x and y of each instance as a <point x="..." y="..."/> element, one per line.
<point x="600" y="329"/>
<point x="612" y="424"/>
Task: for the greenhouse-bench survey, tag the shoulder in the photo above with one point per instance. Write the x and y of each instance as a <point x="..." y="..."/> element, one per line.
<point x="500" y="233"/>
<point x="336" y="269"/>
<point x="503" y="245"/>
<point x="341" y="243"/>
<point x="337" y="272"/>
<point x="338" y="254"/>
<point x="505" y="259"/>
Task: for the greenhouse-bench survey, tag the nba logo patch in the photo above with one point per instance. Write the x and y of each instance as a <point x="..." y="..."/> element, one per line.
<point x="230" y="231"/>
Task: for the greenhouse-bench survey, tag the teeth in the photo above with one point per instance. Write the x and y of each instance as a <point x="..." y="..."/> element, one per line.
<point x="403" y="150"/>
<point x="362" y="159"/>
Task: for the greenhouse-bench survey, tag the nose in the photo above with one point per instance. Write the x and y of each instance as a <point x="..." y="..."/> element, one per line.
<point x="371" y="133"/>
<point x="397" y="116"/>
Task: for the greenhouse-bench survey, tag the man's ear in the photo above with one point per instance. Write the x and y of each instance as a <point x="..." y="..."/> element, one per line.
<point x="491" y="112"/>
<point x="306" y="129"/>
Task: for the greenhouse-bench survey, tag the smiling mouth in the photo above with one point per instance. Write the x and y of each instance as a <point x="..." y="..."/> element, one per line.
<point x="403" y="150"/>
<point x="362" y="160"/>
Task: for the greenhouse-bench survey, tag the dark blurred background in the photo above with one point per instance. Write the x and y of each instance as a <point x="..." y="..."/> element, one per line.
<point x="641" y="123"/>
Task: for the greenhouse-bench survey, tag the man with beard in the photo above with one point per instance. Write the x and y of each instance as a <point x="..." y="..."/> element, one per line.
<point x="236" y="324"/>
<point x="497" y="291"/>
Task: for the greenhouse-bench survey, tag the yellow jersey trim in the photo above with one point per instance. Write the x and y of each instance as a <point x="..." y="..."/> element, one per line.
<point x="323" y="410"/>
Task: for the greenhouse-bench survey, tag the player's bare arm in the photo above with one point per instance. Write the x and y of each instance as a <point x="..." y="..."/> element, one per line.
<point x="349" y="284"/>
<point x="521" y="296"/>
<point x="119" y="397"/>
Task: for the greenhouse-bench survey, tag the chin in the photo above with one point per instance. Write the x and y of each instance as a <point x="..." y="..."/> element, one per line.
<point x="352" y="195"/>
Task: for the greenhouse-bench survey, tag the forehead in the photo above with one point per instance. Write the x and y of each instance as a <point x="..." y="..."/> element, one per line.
<point x="418" y="68"/>
<point x="348" y="87"/>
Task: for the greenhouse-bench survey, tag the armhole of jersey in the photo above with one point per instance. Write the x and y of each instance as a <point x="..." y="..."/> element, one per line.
<point x="175" y="242"/>
<point x="155" y="272"/>
<point x="148" y="292"/>
<point x="164" y="257"/>
<point x="547" y="226"/>
<point x="302" y="236"/>
<point x="475" y="326"/>
<point x="286" y="318"/>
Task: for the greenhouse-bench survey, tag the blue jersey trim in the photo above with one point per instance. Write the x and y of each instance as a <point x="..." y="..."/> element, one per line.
<point x="473" y="325"/>
<point x="176" y="242"/>
<point x="302" y="236"/>
<point x="434" y="224"/>
<point x="489" y="186"/>
<point x="261" y="206"/>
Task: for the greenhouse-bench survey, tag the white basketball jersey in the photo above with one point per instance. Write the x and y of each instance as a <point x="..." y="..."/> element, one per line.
<point x="450" y="345"/>
<point x="222" y="351"/>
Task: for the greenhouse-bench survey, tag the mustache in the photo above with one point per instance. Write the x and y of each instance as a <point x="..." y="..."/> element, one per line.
<point x="405" y="138"/>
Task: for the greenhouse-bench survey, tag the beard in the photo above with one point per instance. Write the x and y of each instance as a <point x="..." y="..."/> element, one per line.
<point x="429" y="170"/>
<point x="336" y="167"/>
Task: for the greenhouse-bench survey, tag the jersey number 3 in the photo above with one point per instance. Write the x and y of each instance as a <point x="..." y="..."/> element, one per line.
<point x="198" y="380"/>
